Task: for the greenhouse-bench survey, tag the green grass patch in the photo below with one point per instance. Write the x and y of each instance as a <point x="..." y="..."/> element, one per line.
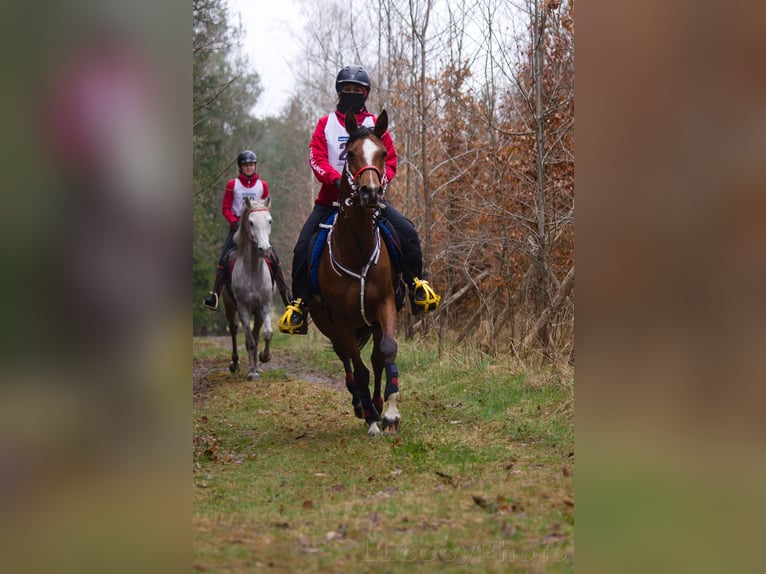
<point x="287" y="480"/>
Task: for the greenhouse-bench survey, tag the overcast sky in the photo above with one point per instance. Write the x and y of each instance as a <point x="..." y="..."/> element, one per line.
<point x="271" y="27"/>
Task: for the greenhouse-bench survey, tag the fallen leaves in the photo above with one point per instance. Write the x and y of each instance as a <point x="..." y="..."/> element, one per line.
<point x="500" y="504"/>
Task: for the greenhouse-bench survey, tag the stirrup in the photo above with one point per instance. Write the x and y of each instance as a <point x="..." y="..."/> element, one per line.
<point x="211" y="301"/>
<point x="424" y="296"/>
<point x="293" y="322"/>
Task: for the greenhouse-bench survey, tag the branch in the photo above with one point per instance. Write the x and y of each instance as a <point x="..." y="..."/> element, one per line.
<point x="544" y="318"/>
<point x="457" y="295"/>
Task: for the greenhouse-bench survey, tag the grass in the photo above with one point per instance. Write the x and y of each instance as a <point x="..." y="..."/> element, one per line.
<point x="286" y="479"/>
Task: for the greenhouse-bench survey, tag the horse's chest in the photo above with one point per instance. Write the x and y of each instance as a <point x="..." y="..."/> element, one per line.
<point x="251" y="284"/>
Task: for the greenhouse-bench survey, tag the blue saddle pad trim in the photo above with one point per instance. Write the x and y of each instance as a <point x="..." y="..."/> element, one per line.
<point x="316" y="252"/>
<point x="394" y="251"/>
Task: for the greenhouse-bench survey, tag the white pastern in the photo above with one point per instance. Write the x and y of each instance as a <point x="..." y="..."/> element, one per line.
<point x="374" y="429"/>
<point x="392" y="412"/>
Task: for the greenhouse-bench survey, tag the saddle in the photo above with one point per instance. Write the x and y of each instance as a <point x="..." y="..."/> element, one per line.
<point x="390" y="237"/>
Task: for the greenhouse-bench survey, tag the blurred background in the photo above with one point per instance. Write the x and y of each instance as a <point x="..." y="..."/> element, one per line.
<point x="671" y="253"/>
<point x="96" y="229"/>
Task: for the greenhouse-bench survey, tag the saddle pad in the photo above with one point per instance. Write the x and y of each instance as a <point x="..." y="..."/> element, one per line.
<point x="317" y="246"/>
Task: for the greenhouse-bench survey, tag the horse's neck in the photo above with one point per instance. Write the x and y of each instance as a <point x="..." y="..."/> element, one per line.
<point x="355" y="234"/>
<point x="248" y="257"/>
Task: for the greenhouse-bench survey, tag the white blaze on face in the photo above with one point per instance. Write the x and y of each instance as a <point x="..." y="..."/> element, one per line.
<point x="368" y="153"/>
<point x="369" y="149"/>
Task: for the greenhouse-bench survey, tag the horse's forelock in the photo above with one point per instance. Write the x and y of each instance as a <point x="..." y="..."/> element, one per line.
<point x="362" y="131"/>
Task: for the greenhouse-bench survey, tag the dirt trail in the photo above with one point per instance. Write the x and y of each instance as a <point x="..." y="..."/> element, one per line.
<point x="208" y="372"/>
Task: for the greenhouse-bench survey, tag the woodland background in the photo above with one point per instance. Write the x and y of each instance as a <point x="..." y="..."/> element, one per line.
<point x="481" y="98"/>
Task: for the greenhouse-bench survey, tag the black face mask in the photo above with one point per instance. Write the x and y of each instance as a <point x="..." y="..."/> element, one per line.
<point x="350" y="101"/>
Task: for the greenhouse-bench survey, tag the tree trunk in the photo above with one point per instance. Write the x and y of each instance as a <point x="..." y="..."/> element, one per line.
<point x="542" y="323"/>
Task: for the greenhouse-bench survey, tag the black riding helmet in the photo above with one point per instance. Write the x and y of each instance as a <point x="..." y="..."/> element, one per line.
<point x="353" y="75"/>
<point x="246" y="156"/>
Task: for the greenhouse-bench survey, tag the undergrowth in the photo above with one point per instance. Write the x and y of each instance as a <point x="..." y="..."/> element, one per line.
<point x="286" y="478"/>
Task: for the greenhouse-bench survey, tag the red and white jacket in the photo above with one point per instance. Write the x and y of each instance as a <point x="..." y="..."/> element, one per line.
<point x="327" y="153"/>
<point x="237" y="190"/>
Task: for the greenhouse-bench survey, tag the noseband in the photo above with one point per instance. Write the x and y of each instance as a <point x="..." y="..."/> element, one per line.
<point x="353" y="182"/>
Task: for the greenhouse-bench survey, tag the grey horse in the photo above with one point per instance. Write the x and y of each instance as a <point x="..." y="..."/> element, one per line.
<point x="252" y="287"/>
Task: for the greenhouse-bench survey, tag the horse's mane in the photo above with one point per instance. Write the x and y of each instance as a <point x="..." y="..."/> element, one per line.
<point x="243" y="230"/>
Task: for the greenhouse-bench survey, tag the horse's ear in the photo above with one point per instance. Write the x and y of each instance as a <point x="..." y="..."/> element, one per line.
<point x="248" y="205"/>
<point x="267" y="202"/>
<point x="381" y="125"/>
<point x="351" y="124"/>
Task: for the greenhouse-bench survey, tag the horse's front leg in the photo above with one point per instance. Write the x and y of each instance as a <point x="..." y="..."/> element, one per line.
<point x="231" y="317"/>
<point x="388" y="349"/>
<point x="250" y="341"/>
<point x="361" y="382"/>
<point x="356" y="402"/>
<point x="377" y="369"/>
<point x="268" y="331"/>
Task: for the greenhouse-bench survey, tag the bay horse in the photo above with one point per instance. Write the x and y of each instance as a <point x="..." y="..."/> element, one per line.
<point x="356" y="280"/>
<point x="251" y="290"/>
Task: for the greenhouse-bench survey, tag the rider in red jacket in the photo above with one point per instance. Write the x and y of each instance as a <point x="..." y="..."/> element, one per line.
<point x="327" y="158"/>
<point x="247" y="184"/>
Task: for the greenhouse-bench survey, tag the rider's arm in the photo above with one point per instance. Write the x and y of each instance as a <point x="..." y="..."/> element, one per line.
<point x="228" y="200"/>
<point x="318" y="160"/>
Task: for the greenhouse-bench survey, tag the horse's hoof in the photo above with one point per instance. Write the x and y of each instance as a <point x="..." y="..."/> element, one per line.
<point x="251" y="376"/>
<point x="264" y="358"/>
<point x="233" y="367"/>
<point x="374" y="430"/>
<point x="391" y="425"/>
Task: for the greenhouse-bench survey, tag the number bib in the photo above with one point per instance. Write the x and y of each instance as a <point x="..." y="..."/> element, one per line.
<point x="337" y="138"/>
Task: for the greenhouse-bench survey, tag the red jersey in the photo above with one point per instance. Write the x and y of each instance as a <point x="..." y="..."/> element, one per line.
<point x="327" y="153"/>
<point x="237" y="190"/>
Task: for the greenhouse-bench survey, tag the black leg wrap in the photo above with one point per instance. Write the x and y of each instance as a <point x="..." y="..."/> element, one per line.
<point x="392" y="380"/>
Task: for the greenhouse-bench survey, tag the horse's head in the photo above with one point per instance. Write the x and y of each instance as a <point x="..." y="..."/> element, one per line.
<point x="255" y="225"/>
<point x="365" y="162"/>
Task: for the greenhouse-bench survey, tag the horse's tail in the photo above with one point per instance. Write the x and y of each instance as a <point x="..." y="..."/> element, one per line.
<point x="363" y="335"/>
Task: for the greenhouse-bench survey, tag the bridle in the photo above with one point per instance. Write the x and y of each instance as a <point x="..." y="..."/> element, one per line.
<point x="254" y="210"/>
<point x="353" y="183"/>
